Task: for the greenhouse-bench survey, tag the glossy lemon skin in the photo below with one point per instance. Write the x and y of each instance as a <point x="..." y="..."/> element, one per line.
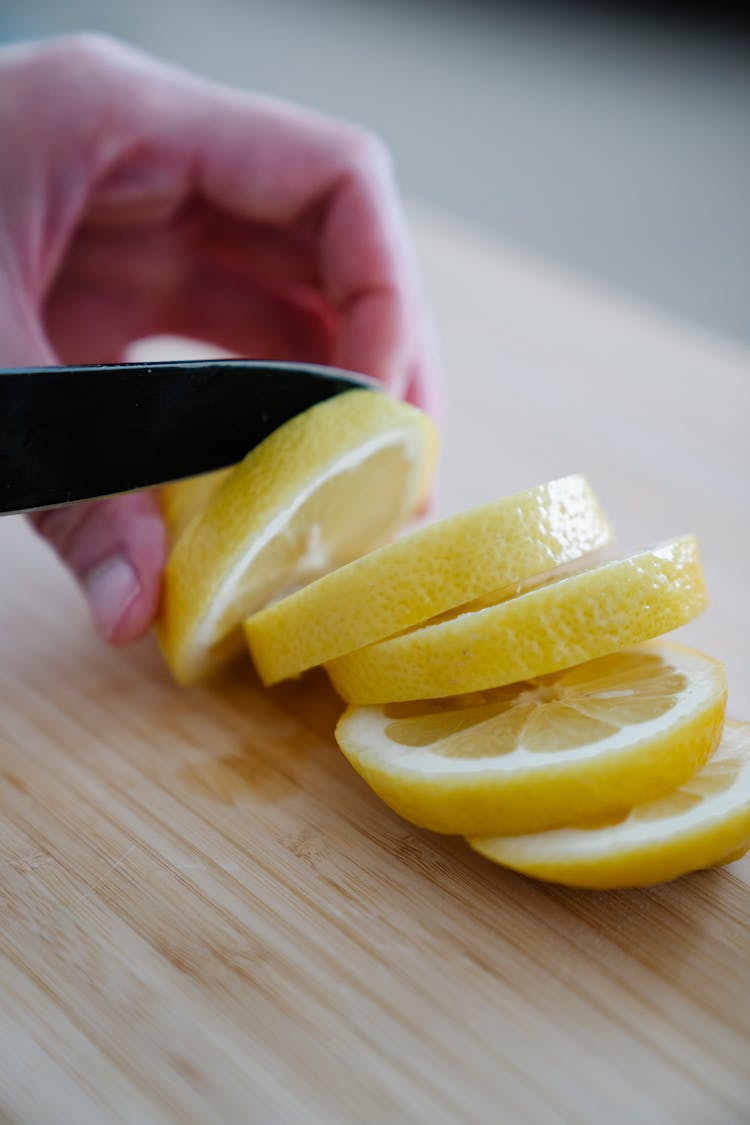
<point x="565" y="622"/>
<point x="426" y="573"/>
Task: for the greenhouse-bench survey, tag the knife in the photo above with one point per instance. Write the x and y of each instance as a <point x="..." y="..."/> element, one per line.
<point x="76" y="433"/>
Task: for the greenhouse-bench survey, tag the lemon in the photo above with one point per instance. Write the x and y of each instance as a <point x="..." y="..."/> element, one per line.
<point x="587" y="742"/>
<point x="181" y="501"/>
<point x="322" y="489"/>
<point x="561" y="621"/>
<point x="703" y="823"/>
<point x="426" y="573"/>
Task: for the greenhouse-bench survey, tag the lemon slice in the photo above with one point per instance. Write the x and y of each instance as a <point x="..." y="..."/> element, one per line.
<point x="181" y="501"/>
<point x="426" y="573"/>
<point x="703" y="823"/>
<point x="510" y="636"/>
<point x="324" y="488"/>
<point x="585" y="743"/>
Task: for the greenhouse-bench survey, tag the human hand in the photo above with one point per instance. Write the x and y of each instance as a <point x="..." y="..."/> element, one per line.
<point x="137" y="199"/>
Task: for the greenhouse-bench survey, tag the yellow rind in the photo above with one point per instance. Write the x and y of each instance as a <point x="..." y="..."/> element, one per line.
<point x="681" y="853"/>
<point x="543" y="795"/>
<point x="567" y="621"/>
<point x="421" y="575"/>
<point x="260" y="490"/>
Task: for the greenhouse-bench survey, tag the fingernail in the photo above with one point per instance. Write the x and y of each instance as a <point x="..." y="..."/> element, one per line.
<point x="110" y="588"/>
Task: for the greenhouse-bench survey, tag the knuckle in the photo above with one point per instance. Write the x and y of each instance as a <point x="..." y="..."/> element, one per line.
<point x="49" y="62"/>
<point x="86" y="47"/>
<point x="84" y="76"/>
<point x="367" y="150"/>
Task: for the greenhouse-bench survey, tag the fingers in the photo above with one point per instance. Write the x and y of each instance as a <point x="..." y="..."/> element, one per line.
<point x="308" y="256"/>
<point x="116" y="549"/>
<point x="336" y="182"/>
<point x="147" y="138"/>
<point x="92" y="320"/>
<point x="203" y="276"/>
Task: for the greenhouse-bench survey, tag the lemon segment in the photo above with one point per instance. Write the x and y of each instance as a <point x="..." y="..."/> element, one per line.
<point x="585" y="743"/>
<point x="426" y="573"/>
<point x="703" y="823"/>
<point x="510" y="636"/>
<point x="327" y="486"/>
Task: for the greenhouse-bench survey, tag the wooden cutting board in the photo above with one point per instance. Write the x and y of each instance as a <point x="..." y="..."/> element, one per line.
<point x="207" y="917"/>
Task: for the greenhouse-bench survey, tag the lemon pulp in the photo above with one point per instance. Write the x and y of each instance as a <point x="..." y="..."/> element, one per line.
<point x="704" y="822"/>
<point x="575" y="745"/>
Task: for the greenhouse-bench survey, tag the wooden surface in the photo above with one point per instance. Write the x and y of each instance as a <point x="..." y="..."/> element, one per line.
<point x="206" y="916"/>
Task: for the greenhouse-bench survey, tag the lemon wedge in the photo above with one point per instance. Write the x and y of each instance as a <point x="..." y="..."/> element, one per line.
<point x="512" y="635"/>
<point x="426" y="573"/>
<point x="703" y="823"/>
<point x="585" y="743"/>
<point x="322" y="489"/>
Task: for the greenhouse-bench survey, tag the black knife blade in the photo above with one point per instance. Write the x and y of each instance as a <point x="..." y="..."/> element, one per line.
<point x="76" y="433"/>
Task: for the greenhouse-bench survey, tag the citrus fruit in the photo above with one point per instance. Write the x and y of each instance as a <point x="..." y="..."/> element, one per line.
<point x="183" y="499"/>
<point x="705" y="822"/>
<point x="509" y="636"/>
<point x="322" y="489"/>
<point x="426" y="573"/>
<point x="585" y="743"/>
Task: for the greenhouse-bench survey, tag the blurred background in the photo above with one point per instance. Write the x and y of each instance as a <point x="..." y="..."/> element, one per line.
<point x="615" y="142"/>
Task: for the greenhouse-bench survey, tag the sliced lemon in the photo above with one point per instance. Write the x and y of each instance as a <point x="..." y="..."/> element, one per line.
<point x="426" y="573"/>
<point x="508" y="636"/>
<point x="181" y="501"/>
<point x="325" y="487"/>
<point x="589" y="742"/>
<point x="703" y="823"/>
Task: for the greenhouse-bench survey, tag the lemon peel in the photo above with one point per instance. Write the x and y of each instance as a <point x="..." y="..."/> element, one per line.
<point x="510" y="637"/>
<point x="327" y="486"/>
<point x="705" y="822"/>
<point x="583" y="743"/>
<point x="425" y="573"/>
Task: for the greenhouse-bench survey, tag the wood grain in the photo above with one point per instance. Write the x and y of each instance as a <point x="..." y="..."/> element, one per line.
<point x="208" y="917"/>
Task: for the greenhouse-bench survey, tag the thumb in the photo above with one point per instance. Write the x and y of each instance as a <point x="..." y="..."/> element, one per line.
<point x="116" y="548"/>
